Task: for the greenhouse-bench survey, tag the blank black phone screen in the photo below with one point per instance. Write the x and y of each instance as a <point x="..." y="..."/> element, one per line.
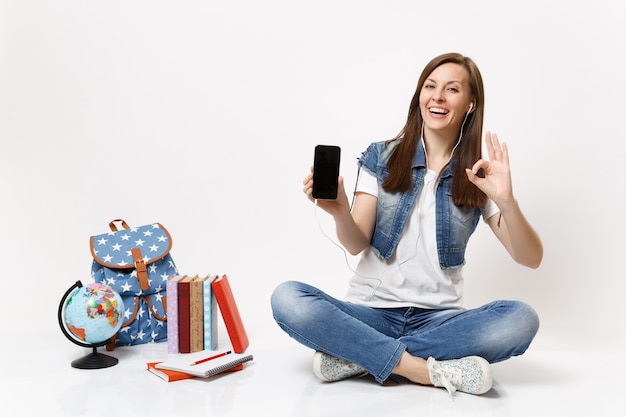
<point x="326" y="171"/>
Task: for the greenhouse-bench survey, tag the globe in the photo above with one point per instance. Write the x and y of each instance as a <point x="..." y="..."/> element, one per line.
<point x="89" y="315"/>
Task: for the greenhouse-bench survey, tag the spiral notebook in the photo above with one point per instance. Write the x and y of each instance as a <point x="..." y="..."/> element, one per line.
<point x="205" y="363"/>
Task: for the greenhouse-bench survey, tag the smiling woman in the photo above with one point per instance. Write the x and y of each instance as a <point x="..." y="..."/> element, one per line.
<point x="418" y="201"/>
<point x="449" y="105"/>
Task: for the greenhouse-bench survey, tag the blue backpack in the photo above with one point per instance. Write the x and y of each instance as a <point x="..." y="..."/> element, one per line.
<point x="136" y="262"/>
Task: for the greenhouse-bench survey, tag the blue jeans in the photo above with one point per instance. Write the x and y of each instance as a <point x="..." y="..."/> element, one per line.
<point x="375" y="338"/>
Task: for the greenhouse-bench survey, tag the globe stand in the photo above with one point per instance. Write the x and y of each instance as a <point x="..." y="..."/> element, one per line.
<point x="94" y="360"/>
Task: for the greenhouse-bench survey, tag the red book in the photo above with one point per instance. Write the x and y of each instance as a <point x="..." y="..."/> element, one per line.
<point x="184" y="331"/>
<point x="230" y="313"/>
<point x="167" y="375"/>
<point x="171" y="376"/>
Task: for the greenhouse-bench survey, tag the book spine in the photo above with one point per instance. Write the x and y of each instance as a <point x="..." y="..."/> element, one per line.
<point x="196" y="322"/>
<point x="230" y="314"/>
<point x="168" y="375"/>
<point x="183" y="317"/>
<point x="171" y="288"/>
<point x="209" y="315"/>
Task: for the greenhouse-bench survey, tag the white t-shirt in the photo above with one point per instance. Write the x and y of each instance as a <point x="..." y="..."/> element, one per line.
<point x="412" y="276"/>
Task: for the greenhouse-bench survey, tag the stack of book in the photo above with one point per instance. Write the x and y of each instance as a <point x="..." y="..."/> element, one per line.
<point x="191" y="308"/>
<point x="191" y="314"/>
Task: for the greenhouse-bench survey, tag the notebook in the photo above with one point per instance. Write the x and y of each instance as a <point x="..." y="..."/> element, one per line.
<point x="205" y="363"/>
<point x="167" y="375"/>
<point x="171" y="376"/>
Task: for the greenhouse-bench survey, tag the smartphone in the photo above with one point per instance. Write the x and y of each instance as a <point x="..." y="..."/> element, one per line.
<point x="326" y="171"/>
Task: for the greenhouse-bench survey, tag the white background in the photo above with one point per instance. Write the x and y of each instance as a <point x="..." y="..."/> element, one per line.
<point x="203" y="116"/>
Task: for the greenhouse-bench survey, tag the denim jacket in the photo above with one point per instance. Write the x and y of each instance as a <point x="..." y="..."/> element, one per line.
<point x="454" y="224"/>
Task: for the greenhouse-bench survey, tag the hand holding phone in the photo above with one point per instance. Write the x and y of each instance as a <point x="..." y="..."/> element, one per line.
<point x="326" y="172"/>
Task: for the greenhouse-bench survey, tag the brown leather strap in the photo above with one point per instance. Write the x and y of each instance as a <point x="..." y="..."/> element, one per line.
<point x="154" y="313"/>
<point x="114" y="228"/>
<point x="134" y="315"/>
<point x="111" y="345"/>
<point x="140" y="267"/>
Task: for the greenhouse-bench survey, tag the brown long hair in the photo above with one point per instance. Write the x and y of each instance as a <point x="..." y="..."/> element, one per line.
<point x="469" y="150"/>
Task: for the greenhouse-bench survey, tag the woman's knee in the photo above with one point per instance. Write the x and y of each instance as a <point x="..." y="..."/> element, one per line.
<point x="513" y="334"/>
<point x="282" y="295"/>
<point x="526" y="319"/>
<point x="287" y="300"/>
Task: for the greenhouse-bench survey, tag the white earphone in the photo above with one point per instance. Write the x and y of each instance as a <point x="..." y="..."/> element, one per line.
<point x="470" y="107"/>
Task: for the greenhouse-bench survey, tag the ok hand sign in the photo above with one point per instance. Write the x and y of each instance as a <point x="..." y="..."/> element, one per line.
<point x="497" y="182"/>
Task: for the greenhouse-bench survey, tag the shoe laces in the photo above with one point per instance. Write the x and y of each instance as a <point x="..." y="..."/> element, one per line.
<point x="448" y="379"/>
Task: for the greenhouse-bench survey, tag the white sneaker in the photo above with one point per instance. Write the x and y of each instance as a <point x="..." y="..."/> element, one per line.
<point x="471" y="374"/>
<point x="329" y="368"/>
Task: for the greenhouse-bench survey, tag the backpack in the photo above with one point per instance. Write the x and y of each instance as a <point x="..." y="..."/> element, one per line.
<point x="136" y="262"/>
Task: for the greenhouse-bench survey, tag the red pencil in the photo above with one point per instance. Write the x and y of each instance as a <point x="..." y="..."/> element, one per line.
<point x="219" y="355"/>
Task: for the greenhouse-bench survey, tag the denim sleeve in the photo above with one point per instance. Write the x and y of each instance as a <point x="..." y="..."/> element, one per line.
<point x="373" y="159"/>
<point x="368" y="159"/>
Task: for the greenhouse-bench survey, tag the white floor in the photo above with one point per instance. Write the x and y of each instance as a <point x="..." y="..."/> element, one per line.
<point x="279" y="382"/>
